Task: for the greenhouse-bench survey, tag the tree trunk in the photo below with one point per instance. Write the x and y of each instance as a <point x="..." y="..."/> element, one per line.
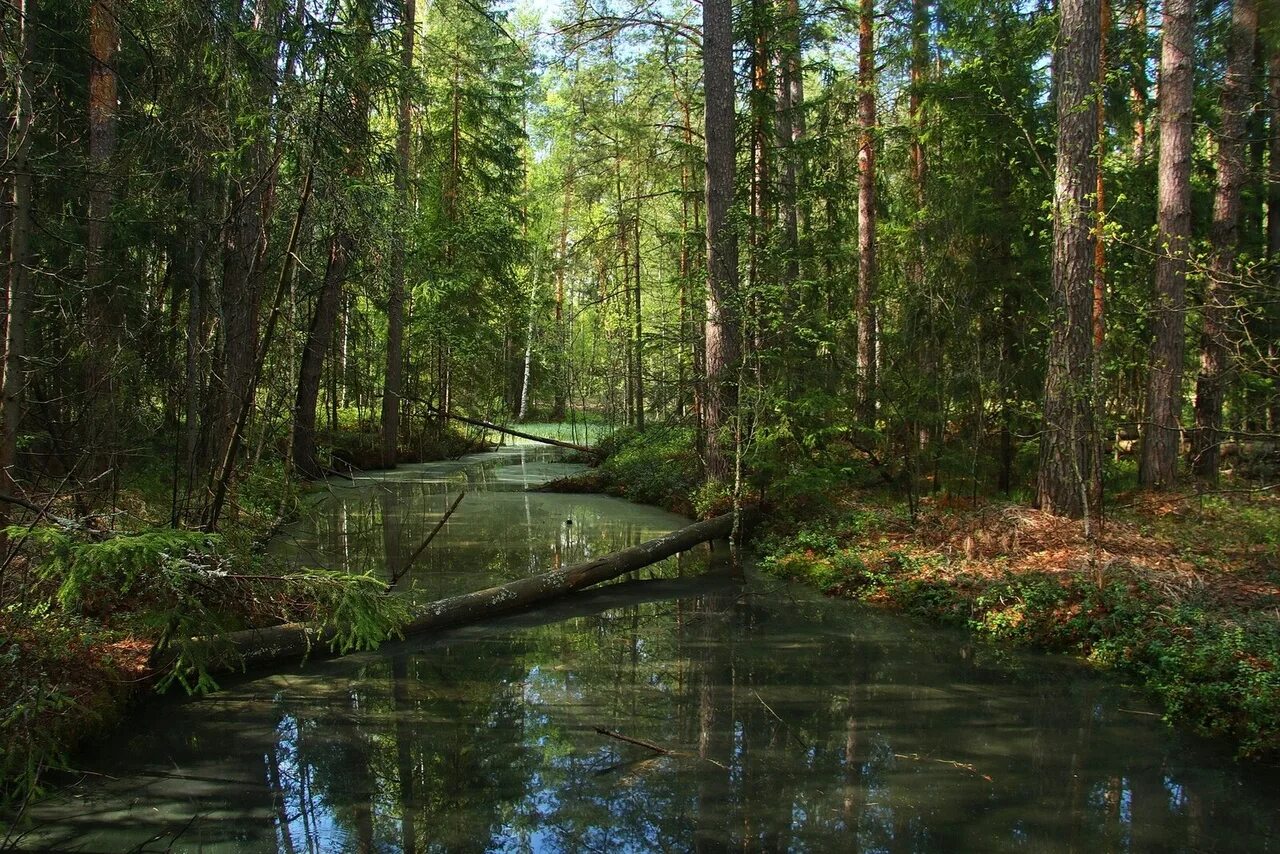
<point x="723" y="325"/>
<point x="637" y="381"/>
<point x="393" y="379"/>
<point x="104" y="38"/>
<point x="1162" y="436"/>
<point x="865" y="302"/>
<point x="1066" y="466"/>
<point x="18" y="281"/>
<point x="245" y="238"/>
<point x="319" y="341"/>
<point x="1138" y="87"/>
<point x="1224" y="236"/>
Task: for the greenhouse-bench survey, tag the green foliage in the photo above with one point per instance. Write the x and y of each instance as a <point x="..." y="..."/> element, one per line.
<point x="654" y="466"/>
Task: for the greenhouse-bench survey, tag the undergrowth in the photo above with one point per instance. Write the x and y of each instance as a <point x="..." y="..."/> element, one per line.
<point x="93" y="612"/>
<point x="1208" y="653"/>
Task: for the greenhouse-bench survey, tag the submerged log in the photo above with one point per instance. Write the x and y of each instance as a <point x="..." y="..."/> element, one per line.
<point x="257" y="647"/>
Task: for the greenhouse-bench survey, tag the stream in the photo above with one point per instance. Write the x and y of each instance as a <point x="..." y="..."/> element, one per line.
<point x="786" y="721"/>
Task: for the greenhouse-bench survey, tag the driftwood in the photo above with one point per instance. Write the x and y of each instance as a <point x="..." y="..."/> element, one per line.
<point x="257" y="647"/>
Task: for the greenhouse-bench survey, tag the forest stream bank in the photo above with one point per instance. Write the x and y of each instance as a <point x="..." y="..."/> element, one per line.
<point x="1180" y="594"/>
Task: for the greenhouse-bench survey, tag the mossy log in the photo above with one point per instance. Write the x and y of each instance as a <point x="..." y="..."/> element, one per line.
<point x="294" y="641"/>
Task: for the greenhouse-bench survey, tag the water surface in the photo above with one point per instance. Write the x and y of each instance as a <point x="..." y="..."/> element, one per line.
<point x="781" y="721"/>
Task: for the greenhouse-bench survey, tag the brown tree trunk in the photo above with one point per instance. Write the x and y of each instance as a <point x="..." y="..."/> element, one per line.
<point x="865" y="302"/>
<point x="393" y="379"/>
<point x="319" y="341"/>
<point x="245" y="239"/>
<point x="18" y="280"/>
<point x="1273" y="227"/>
<point x="723" y="324"/>
<point x="1224" y="236"/>
<point x="104" y="38"/>
<point x="1066" y="446"/>
<point x="1138" y="86"/>
<point x="1162" y="436"/>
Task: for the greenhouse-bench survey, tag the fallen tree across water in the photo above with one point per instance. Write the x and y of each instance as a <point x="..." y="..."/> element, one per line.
<point x="258" y="647"/>
<point x="476" y="422"/>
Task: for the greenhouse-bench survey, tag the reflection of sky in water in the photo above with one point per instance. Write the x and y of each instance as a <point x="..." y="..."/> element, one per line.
<point x="793" y="723"/>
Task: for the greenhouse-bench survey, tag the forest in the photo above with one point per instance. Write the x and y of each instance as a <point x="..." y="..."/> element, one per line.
<point x="973" y="306"/>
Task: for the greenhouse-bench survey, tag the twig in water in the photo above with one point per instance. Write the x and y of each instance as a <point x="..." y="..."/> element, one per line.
<point x="395" y="579"/>
<point x="656" y="748"/>
<point x="779" y="719"/>
<point x="963" y="766"/>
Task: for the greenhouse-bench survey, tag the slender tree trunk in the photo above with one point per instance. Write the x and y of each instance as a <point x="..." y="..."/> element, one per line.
<point x="559" y="405"/>
<point x="104" y="38"/>
<point x="393" y="378"/>
<point x="723" y="324"/>
<point x="1162" y="435"/>
<point x="245" y="236"/>
<point x="319" y="341"/>
<point x="1138" y="96"/>
<point x="865" y="301"/>
<point x="1224" y="236"/>
<point x="638" y="342"/>
<point x="790" y="129"/>
<point x="18" y="281"/>
<point x="1066" y="446"/>
<point x="1273" y="227"/>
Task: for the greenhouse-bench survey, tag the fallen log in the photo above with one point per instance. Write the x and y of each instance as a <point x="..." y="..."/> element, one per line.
<point x="476" y="422"/>
<point x="257" y="647"/>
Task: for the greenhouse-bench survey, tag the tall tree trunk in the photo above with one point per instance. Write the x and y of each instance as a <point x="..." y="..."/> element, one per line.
<point x="245" y="235"/>
<point x="865" y="302"/>
<point x="393" y="378"/>
<point x="723" y="324"/>
<point x="1162" y="437"/>
<point x="319" y="341"/>
<point x="564" y="349"/>
<point x="638" y="330"/>
<point x="1224" y="237"/>
<point x="1273" y="227"/>
<point x="1138" y="85"/>
<point x="790" y="129"/>
<point x="104" y="38"/>
<point x="1063" y="485"/>
<point x="18" y="280"/>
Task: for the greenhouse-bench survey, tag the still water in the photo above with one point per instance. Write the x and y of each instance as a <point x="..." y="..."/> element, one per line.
<point x="787" y="722"/>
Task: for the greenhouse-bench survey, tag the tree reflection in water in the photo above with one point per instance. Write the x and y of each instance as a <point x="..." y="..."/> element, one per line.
<point x="791" y="722"/>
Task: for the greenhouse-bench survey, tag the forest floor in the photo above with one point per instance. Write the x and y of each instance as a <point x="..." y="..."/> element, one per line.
<point x="1178" y="593"/>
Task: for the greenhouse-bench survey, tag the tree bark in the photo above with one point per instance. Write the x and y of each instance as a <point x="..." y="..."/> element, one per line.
<point x="245" y="236"/>
<point x="723" y="325"/>
<point x="1162" y="436"/>
<point x="99" y="393"/>
<point x="865" y="301"/>
<point x="1224" y="236"/>
<point x="1138" y="86"/>
<point x="18" y="281"/>
<point x="319" y="341"/>
<point x="393" y="379"/>
<point x="1066" y="446"/>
